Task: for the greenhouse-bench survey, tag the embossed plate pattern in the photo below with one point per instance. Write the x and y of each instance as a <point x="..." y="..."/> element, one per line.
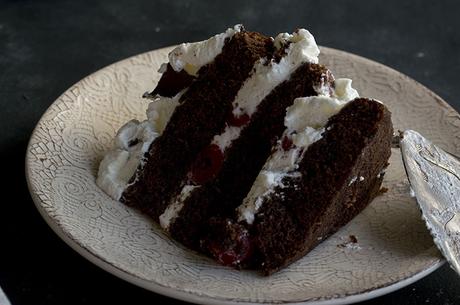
<point x="394" y="247"/>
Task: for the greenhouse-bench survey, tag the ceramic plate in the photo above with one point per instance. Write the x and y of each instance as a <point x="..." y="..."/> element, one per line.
<point x="394" y="248"/>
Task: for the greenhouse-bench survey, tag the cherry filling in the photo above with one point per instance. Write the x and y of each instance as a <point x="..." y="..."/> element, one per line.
<point x="210" y="159"/>
<point x="286" y="143"/>
<point x="232" y="254"/>
<point x="207" y="165"/>
<point x="238" y="121"/>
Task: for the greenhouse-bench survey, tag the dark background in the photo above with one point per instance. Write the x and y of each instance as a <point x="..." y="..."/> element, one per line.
<point x="46" y="46"/>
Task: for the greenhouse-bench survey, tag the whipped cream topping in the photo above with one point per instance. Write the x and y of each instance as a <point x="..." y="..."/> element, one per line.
<point x="192" y="56"/>
<point x="305" y="121"/>
<point x="266" y="75"/>
<point x="132" y="141"/>
<point x="120" y="163"/>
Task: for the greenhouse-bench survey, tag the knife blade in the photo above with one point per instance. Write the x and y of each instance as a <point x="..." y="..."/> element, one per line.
<point x="434" y="176"/>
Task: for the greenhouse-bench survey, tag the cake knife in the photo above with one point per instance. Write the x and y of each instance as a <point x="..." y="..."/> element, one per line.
<point x="434" y="176"/>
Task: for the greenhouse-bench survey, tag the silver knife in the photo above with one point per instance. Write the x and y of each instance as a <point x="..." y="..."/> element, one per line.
<point x="434" y="176"/>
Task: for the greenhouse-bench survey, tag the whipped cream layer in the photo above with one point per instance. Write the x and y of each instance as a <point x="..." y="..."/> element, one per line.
<point x="173" y="209"/>
<point x="305" y="121"/>
<point x="131" y="143"/>
<point x="301" y="48"/>
<point x="190" y="57"/>
<point x="267" y="74"/>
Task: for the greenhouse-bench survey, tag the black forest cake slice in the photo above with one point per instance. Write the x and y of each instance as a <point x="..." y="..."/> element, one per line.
<point x="251" y="152"/>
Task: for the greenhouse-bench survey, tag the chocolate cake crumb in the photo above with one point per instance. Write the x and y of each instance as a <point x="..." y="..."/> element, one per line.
<point x="397" y="137"/>
<point x="351" y="243"/>
<point x="353" y="239"/>
<point x="383" y="190"/>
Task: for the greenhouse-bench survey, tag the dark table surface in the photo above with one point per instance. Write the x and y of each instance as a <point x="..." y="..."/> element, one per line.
<point x="46" y="46"/>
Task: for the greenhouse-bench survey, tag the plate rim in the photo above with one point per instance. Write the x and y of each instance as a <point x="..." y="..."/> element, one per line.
<point x="204" y="299"/>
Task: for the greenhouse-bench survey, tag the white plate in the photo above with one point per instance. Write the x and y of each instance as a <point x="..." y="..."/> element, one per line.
<point x="395" y="249"/>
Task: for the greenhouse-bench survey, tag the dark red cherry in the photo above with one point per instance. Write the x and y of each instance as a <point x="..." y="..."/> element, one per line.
<point x="229" y="258"/>
<point x="286" y="143"/>
<point x="207" y="165"/>
<point x="234" y="254"/>
<point x="238" y="121"/>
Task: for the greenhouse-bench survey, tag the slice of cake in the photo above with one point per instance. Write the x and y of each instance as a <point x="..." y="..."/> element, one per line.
<point x="215" y="184"/>
<point x="249" y="148"/>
